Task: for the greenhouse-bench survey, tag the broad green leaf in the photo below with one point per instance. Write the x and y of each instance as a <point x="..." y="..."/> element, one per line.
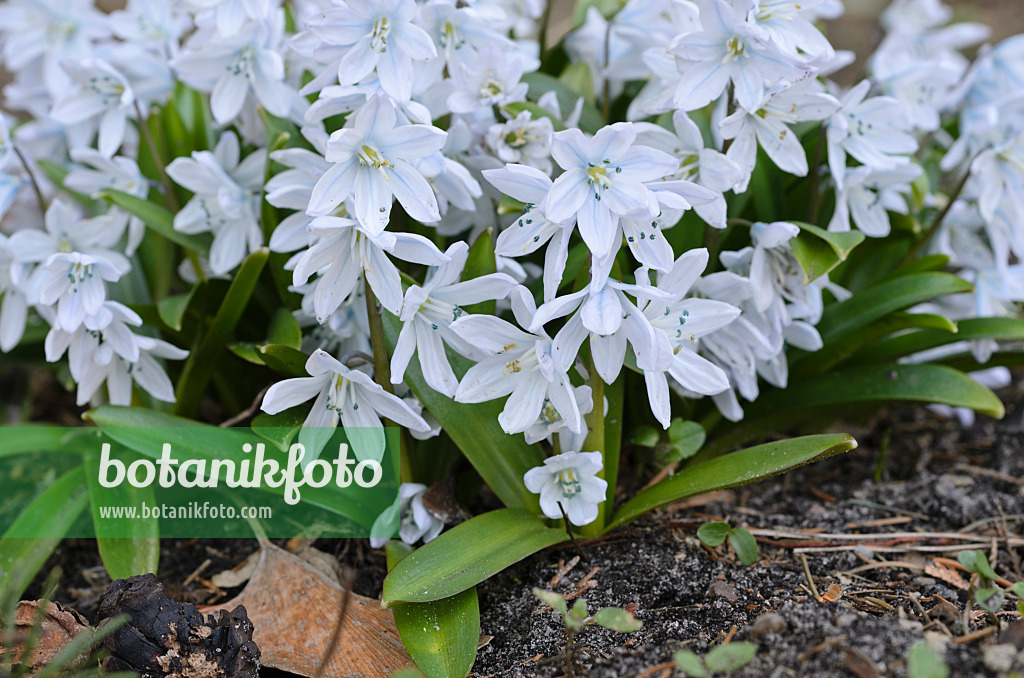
<point x="929" y="262"/>
<point x="202" y="362"/>
<point x="157" y="218"/>
<point x="690" y="664"/>
<point x="123" y="556"/>
<point x="284" y="329"/>
<point x="57" y="175"/>
<point x="246" y="350"/>
<point x="714" y="534"/>
<point x="886" y="297"/>
<point x="1000" y="329"/>
<point x="819" y="251"/>
<point x="617" y="619"/>
<point x="922" y="662"/>
<point x="976" y="561"/>
<point x="553" y="600"/>
<point x="441" y="636"/>
<point x="536" y="113"/>
<point x="284" y="359"/>
<point x="686" y="438"/>
<point x="468" y="554"/>
<point x="579" y="78"/>
<point x="33" y="438"/>
<point x="501" y="459"/>
<point x="731" y="470"/>
<point x="480" y="262"/>
<point x="853" y="344"/>
<point x="726" y="658"/>
<point x="614" y="395"/>
<point x="57" y="508"/>
<point x="280" y="428"/>
<point x="744" y="544"/>
<point x="172" y="309"/>
<point x="646" y="436"/>
<point x="541" y="83"/>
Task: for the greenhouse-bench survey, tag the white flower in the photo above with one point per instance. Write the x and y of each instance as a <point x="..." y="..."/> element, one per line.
<point x="75" y="284"/>
<point x="417" y="522"/>
<point x="231" y="15"/>
<point x="604" y="180"/>
<point x="532" y="230"/>
<point x="869" y="195"/>
<point x="522" y="140"/>
<point x="521" y="367"/>
<point x="768" y="124"/>
<point x="363" y="35"/>
<point x="551" y="423"/>
<point x="428" y="312"/>
<point x="570" y="480"/>
<point x="461" y="31"/>
<point x="291" y="189"/>
<point x="790" y="24"/>
<point x="232" y="68"/>
<point x="119" y="173"/>
<point x="704" y="166"/>
<point x="728" y="49"/>
<point x="371" y="164"/>
<point x="226" y="200"/>
<point x="102" y="98"/>
<point x="344" y="252"/>
<point x="491" y="79"/>
<point x="875" y="131"/>
<point x="14" y="308"/>
<point x="343" y="396"/>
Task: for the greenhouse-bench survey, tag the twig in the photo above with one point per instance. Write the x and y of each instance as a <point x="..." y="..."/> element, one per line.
<point x="880" y="603"/>
<point x="977" y="635"/>
<point x="890" y="509"/>
<point x="883" y="536"/>
<point x="195" y="573"/>
<point x="810" y="579"/>
<point x="247" y="412"/>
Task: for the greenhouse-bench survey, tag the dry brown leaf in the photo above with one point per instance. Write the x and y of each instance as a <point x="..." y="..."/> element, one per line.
<point x="946" y="574"/>
<point x="238" y="575"/>
<point x="59" y="626"/>
<point x="834" y="593"/>
<point x="295" y="608"/>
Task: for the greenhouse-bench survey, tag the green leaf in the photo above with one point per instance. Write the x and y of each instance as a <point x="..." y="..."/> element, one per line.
<point x="975" y="561"/>
<point x="615" y="396"/>
<point x="172" y="309"/>
<point x="32" y="439"/>
<point x="867" y="306"/>
<point x="1000" y="329"/>
<point x="744" y="544"/>
<point x="579" y="78"/>
<point x="579" y="610"/>
<point x="246" y="350"/>
<point x="553" y="600"/>
<point x="57" y="508"/>
<point x="990" y="599"/>
<point x="480" y="262"/>
<point x="686" y="438"/>
<point x="1018" y="589"/>
<point x="123" y="556"/>
<point x="731" y="470"/>
<point x="819" y="251"/>
<point x="646" y="436"/>
<point x="690" y="664"/>
<point x="607" y="8"/>
<point x="929" y="262"/>
<point x="284" y="359"/>
<point x="500" y="459"/>
<point x="202" y="362"/>
<point x="879" y="383"/>
<point x="923" y="663"/>
<point x="713" y="534"/>
<point x="441" y="636"/>
<point x="617" y="619"/>
<point x="284" y="329"/>
<point x="536" y="113"/>
<point x="158" y="219"/>
<point x="468" y="554"/>
<point x="726" y="658"/>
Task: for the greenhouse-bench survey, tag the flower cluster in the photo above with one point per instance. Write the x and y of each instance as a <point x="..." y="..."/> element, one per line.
<point x="513" y="240"/>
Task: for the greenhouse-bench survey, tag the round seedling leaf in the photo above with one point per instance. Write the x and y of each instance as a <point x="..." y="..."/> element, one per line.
<point x="726" y="658"/>
<point x="690" y="664"/>
<point x="744" y="544"/>
<point x="713" y="534"/>
<point x="554" y="600"/>
<point x="923" y="663"/>
<point x="617" y="619"/>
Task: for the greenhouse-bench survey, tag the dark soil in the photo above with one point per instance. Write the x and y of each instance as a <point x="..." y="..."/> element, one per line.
<point x="935" y="477"/>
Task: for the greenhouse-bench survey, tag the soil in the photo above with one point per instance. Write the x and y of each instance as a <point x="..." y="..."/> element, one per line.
<point x="933" y="477"/>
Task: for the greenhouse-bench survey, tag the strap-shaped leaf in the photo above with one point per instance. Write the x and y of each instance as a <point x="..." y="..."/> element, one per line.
<point x="877" y="301"/>
<point x="441" y="636"/>
<point x="1000" y="329"/>
<point x="738" y="468"/>
<point x="157" y="218"/>
<point x="468" y="554"/>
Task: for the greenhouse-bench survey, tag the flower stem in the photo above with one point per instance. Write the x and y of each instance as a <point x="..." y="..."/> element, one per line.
<point x="382" y="373"/>
<point x="939" y="218"/>
<point x="595" y="443"/>
<point x="814" y="196"/>
<point x="32" y="178"/>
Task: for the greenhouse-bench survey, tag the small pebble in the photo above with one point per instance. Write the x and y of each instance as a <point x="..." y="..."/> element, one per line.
<point x="724" y="590"/>
<point x="769" y="622"/>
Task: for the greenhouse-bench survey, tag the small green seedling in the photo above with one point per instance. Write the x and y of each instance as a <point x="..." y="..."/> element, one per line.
<point x="922" y="662"/>
<point x="723" y="659"/>
<point x="578" y="618"/>
<point x="986" y="593"/>
<point x="684" y="439"/>
<point x="742" y="542"/>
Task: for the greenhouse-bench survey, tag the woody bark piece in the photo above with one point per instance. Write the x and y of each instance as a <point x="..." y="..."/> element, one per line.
<point x="295" y="608"/>
<point x="164" y="638"/>
<point x="59" y="626"/>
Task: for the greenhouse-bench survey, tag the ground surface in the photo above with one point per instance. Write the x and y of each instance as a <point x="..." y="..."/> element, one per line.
<point x="936" y="478"/>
